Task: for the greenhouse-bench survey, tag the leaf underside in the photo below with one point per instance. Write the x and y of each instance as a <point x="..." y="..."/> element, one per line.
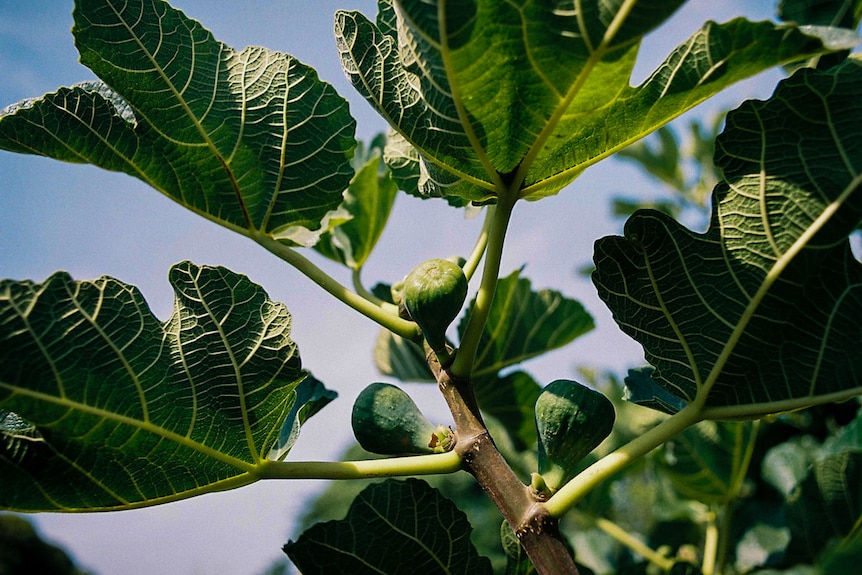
<point x="117" y="410"/>
<point x="386" y="523"/>
<point x="252" y="139"/>
<point x="760" y="313"/>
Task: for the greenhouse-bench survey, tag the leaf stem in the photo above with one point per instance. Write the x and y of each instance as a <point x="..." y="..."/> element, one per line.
<point x="710" y="544"/>
<point x="360" y="290"/>
<point x="438" y="463"/>
<point x="381" y="315"/>
<point x="595" y="474"/>
<point x="633" y="543"/>
<point x="481" y="243"/>
<point x="469" y="345"/>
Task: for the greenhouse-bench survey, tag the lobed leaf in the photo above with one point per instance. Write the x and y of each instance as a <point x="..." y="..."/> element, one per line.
<point x="252" y="139"/>
<point x="392" y="527"/>
<point x="104" y="407"/>
<point x="758" y="314"/>
<point x="494" y="94"/>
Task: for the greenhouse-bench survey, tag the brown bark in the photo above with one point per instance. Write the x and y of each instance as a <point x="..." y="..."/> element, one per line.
<point x="537" y="531"/>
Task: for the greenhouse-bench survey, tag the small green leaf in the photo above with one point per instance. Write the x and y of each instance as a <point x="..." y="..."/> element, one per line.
<point x="311" y="397"/>
<point x="401" y="358"/>
<point x="392" y="527"/>
<point x="252" y="140"/>
<point x="369" y="199"/>
<point x="114" y="409"/>
<point x="708" y="308"/>
<point x="524" y="323"/>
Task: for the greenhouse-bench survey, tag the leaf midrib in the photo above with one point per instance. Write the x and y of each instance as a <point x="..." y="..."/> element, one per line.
<point x="146" y="426"/>
<point x="195" y="121"/>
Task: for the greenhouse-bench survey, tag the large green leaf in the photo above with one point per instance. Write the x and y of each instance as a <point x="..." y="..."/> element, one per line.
<point x="524" y="323"/>
<point x="104" y="407"/>
<point x="252" y="140"/>
<point x="494" y="93"/>
<point x="393" y="527"/>
<point x="760" y="313"/>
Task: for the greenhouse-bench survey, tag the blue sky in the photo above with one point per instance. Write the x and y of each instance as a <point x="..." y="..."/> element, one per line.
<point x="89" y="222"/>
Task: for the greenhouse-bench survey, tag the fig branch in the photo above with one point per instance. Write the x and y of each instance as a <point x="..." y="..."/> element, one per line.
<point x="536" y="529"/>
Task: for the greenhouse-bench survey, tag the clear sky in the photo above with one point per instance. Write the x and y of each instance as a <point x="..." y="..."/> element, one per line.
<point x="91" y="223"/>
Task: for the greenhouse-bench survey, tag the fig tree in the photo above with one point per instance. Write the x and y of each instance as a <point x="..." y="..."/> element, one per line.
<point x="386" y="421"/>
<point x="571" y="421"/>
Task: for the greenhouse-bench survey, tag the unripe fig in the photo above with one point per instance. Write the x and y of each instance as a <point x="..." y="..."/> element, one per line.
<point x="386" y="421"/>
<point x="571" y="421"/>
<point x="434" y="293"/>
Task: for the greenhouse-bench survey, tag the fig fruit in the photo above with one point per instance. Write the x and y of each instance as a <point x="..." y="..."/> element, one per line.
<point x="571" y="421"/>
<point x="386" y="421"/>
<point x="433" y="294"/>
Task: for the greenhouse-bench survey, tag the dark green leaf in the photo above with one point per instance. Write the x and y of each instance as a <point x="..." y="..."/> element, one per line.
<point x="252" y="140"/>
<point x="393" y="527"/>
<point x="843" y="13"/>
<point x="827" y="505"/>
<point x="511" y="400"/>
<point x="524" y="323"/>
<point x="758" y="314"/>
<point x="517" y="562"/>
<point x="124" y="411"/>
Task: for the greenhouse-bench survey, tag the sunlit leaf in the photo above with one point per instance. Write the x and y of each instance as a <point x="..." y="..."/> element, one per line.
<point x="763" y="545"/>
<point x="368" y="200"/>
<point x="759" y="314"/>
<point x="392" y="527"/>
<point x="490" y="92"/>
<point x="116" y="409"/>
<point x="252" y="140"/>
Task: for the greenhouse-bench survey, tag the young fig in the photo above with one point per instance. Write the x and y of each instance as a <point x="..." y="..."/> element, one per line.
<point x="387" y="422"/>
<point x="433" y="294"/>
<point x="571" y="421"/>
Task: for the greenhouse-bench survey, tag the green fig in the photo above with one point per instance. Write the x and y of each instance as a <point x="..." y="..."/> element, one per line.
<point x="571" y="421"/>
<point x="433" y="294"/>
<point x="386" y="421"/>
